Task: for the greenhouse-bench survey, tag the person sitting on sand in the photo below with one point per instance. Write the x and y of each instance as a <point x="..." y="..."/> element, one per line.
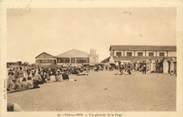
<point x="65" y="76"/>
<point x="57" y="76"/>
<point x="29" y="82"/>
<point x="13" y="107"/>
<point x="24" y="83"/>
<point x="35" y="82"/>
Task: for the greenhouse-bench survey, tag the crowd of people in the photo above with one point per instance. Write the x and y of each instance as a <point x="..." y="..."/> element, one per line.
<point x="154" y="66"/>
<point x="30" y="77"/>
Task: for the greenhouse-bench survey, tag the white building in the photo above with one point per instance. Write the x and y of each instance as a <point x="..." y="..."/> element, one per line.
<point x="138" y="53"/>
<point x="74" y="57"/>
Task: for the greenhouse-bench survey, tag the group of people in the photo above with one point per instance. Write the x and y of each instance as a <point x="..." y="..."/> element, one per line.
<point x="151" y="66"/>
<point x="125" y="68"/>
<point x="29" y="77"/>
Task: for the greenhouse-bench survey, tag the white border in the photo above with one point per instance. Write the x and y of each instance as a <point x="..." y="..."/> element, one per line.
<point x="27" y="4"/>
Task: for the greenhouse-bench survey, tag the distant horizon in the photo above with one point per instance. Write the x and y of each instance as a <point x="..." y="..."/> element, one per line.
<point x="60" y="29"/>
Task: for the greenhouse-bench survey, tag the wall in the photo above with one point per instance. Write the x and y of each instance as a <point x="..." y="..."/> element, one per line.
<point x="172" y="54"/>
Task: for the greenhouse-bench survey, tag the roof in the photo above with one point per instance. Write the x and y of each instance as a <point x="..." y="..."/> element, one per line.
<point x="45" y="55"/>
<point x="142" y="47"/>
<point x="73" y="53"/>
<point x="106" y="60"/>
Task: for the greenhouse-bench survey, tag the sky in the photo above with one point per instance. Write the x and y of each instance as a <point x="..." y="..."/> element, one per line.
<point x="56" y="30"/>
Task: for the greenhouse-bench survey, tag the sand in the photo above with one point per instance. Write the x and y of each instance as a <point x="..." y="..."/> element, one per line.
<point x="102" y="91"/>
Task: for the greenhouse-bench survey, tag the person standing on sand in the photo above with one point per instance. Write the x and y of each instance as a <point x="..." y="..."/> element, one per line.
<point x="144" y="68"/>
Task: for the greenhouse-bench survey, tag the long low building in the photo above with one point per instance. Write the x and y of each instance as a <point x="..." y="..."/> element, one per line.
<point x="74" y="57"/>
<point x="127" y="53"/>
<point x="69" y="57"/>
<point x="46" y="59"/>
<point x="160" y="59"/>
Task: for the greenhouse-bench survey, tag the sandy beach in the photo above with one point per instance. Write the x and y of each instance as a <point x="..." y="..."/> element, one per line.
<point x="102" y="91"/>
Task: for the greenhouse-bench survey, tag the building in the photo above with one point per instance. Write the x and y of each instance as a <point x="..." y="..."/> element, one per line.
<point x="45" y="59"/>
<point x="161" y="59"/>
<point x="133" y="53"/>
<point x="69" y="57"/>
<point x="73" y="57"/>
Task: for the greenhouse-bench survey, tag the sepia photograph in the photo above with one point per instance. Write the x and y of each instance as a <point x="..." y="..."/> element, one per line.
<point x="120" y="59"/>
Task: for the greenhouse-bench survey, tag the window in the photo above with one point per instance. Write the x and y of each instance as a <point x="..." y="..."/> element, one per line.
<point x="129" y="53"/>
<point x="81" y="61"/>
<point x="151" y="54"/>
<point x="140" y="53"/>
<point x="72" y="60"/>
<point x="67" y="60"/>
<point x="60" y="60"/>
<point x="63" y="60"/>
<point x="118" y="54"/>
<point x="161" y="54"/>
<point x="38" y="61"/>
<point x="54" y="61"/>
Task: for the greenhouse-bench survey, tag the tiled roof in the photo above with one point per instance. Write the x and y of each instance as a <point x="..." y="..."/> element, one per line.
<point x="142" y="47"/>
<point x="74" y="53"/>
